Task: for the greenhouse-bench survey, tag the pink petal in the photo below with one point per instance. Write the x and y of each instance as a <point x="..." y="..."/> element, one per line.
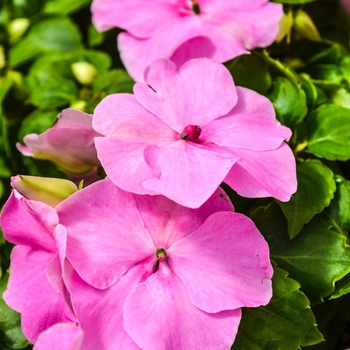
<point x="224" y="264"/>
<point x="264" y="174"/>
<point x="137" y="54"/>
<point x="30" y="293"/>
<point x="140" y="18"/>
<point x="168" y="222"/>
<point x="36" y="226"/>
<point x="69" y="142"/>
<point x="61" y="336"/>
<point x="251" y="124"/>
<point x="186" y="175"/>
<point x="122" y="116"/>
<point x="100" y="312"/>
<point x="125" y="164"/>
<point x="159" y="315"/>
<point x="106" y="235"/>
<point x="184" y="97"/>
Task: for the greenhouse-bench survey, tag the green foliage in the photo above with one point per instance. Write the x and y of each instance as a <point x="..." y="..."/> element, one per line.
<point x="329" y="128"/>
<point x="289" y="101"/>
<point x="285" y="323"/>
<point x="317" y="258"/>
<point x="315" y="191"/>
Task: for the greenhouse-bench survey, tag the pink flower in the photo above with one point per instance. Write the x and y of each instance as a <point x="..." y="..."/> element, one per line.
<point x="185" y="29"/>
<point x="151" y="274"/>
<point x="186" y="130"/>
<point x="346" y="5"/>
<point x="69" y="143"/>
<point x="61" y="336"/>
<point x="35" y="287"/>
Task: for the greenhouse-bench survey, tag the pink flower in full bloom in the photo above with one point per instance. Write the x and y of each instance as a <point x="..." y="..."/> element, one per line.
<point x="185" y="29"/>
<point x="154" y="275"/>
<point x="186" y="130"/>
<point x="69" y="143"/>
<point x="35" y="288"/>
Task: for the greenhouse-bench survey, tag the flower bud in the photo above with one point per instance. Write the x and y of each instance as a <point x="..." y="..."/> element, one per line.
<point x="305" y="27"/>
<point x="47" y="190"/>
<point x="285" y="27"/>
<point x="18" y="27"/>
<point x="84" y="72"/>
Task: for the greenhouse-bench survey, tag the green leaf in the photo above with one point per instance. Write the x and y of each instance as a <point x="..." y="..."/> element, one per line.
<point x="54" y="93"/>
<point x="316" y="188"/>
<point x="10" y="322"/>
<point x="339" y="210"/>
<point x="328" y="72"/>
<point x="95" y="38"/>
<point x="65" y="7"/>
<point x="27" y="8"/>
<point x="309" y="89"/>
<point x="114" y="81"/>
<point x="342" y="287"/>
<point x="251" y="72"/>
<point x="289" y="101"/>
<point x="285" y="323"/>
<point x="56" y="34"/>
<point x="317" y="258"/>
<point x="329" y="129"/>
<point x="37" y="122"/>
<point x="341" y="97"/>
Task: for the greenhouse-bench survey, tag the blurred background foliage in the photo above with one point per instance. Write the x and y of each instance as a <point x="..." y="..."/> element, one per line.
<point x="51" y="58"/>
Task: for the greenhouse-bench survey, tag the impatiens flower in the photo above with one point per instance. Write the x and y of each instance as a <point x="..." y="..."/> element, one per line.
<point x="35" y="287"/>
<point x="186" y="130"/>
<point x="153" y="275"/>
<point x="61" y="336"/>
<point x="69" y="143"/>
<point x="346" y="5"/>
<point x="185" y="29"/>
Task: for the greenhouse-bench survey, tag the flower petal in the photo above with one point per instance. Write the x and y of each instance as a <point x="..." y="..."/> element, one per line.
<point x="184" y="97"/>
<point x="264" y="174"/>
<point x="158" y="315"/>
<point x="168" y="222"/>
<point x="61" y="336"/>
<point x="100" y="312"/>
<point x="107" y="14"/>
<point x="122" y="116"/>
<point x="224" y="264"/>
<point x="36" y="226"/>
<point x="137" y="54"/>
<point x="186" y="175"/>
<point x="106" y="235"/>
<point x="251" y="124"/>
<point x="125" y="164"/>
<point x="30" y="293"/>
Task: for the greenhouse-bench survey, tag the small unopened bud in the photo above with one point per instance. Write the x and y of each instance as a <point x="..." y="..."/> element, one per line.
<point x="18" y="27"/>
<point x="305" y="27"/>
<point x="285" y="27"/>
<point x="84" y="72"/>
<point x="80" y="105"/>
<point x="47" y="190"/>
<point x="191" y="133"/>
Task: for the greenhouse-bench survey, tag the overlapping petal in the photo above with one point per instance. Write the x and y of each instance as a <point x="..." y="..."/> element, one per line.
<point x="35" y="229"/>
<point x="61" y="336"/>
<point x="102" y="261"/>
<point x="251" y="124"/>
<point x="167" y="222"/>
<point x="181" y="97"/>
<point x="181" y="166"/>
<point x="224" y="273"/>
<point x="30" y="293"/>
<point x="158" y="315"/>
<point x="264" y="174"/>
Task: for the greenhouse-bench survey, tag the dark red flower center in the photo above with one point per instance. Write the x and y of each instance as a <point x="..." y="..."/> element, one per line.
<point x="191" y="133"/>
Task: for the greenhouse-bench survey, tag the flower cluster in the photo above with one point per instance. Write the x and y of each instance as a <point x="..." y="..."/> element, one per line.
<point x="153" y="256"/>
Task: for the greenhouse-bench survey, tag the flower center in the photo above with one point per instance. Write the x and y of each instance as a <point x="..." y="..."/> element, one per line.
<point x="191" y="133"/>
<point x="196" y="8"/>
<point x="161" y="254"/>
